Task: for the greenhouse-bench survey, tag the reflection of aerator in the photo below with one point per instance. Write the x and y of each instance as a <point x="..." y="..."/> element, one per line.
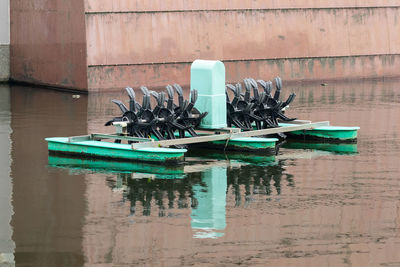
<point x="204" y="192"/>
<point x="257" y="181"/>
<point x="179" y="193"/>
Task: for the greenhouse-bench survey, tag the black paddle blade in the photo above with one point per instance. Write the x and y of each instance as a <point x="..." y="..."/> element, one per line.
<point x="278" y="83"/>
<point x="179" y="91"/>
<point x="131" y="93"/>
<point x="121" y="105"/>
<point x="231" y="87"/>
<point x="247" y="87"/>
<point x="268" y="88"/>
<point x="132" y="102"/>
<point x="227" y="96"/>
<point x="193" y="96"/>
<point x="144" y="90"/>
<point x="155" y="95"/>
<point x="262" y="83"/>
<point x="290" y="99"/>
<point x="170" y="91"/>
<point x="170" y="102"/>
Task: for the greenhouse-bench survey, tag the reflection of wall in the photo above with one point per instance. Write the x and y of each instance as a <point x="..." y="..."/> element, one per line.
<point x="49" y="204"/>
<point x="113" y="236"/>
<point x="6" y="209"/>
<point x="4" y="40"/>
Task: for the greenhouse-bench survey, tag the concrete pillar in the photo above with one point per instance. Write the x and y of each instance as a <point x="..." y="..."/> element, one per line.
<point x="4" y="40"/>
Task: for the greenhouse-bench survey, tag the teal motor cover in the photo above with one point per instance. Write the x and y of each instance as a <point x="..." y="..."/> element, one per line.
<point x="208" y="77"/>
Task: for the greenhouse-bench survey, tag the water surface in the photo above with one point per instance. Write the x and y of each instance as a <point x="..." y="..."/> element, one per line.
<point x="324" y="205"/>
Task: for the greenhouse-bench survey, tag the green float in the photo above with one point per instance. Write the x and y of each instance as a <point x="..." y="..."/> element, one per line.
<point x="93" y="148"/>
<point x="326" y="133"/>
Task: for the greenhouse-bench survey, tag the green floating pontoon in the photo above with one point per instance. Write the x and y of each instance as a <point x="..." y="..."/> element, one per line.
<point x="252" y="144"/>
<point x="326" y="133"/>
<point x="243" y="144"/>
<point x="93" y="148"/>
<point x="152" y="150"/>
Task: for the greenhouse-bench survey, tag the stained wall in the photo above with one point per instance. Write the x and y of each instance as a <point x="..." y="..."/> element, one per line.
<point x="48" y="43"/>
<point x="106" y="44"/>
<point x="4" y="40"/>
<point x="137" y="42"/>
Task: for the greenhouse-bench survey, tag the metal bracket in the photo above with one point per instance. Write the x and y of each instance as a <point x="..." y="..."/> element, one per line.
<point x="217" y="137"/>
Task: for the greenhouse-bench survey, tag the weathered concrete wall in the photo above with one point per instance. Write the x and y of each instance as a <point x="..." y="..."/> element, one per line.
<point x="48" y="43"/>
<point x="296" y="69"/>
<point x="183" y="5"/>
<point x="146" y="38"/>
<point x="4" y="40"/>
<point x="156" y="47"/>
<point x="104" y="44"/>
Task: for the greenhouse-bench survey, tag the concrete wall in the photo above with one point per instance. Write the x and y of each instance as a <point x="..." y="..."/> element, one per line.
<point x="4" y="40"/>
<point x="48" y="43"/>
<point x="104" y="44"/>
<point x="183" y="5"/>
<point x="137" y="42"/>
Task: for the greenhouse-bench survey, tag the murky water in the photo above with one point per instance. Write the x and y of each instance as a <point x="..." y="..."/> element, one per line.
<point x="324" y="205"/>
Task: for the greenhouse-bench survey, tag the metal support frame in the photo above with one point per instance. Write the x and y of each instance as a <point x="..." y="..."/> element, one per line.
<point x="212" y="135"/>
<point x="99" y="136"/>
<point x="227" y="136"/>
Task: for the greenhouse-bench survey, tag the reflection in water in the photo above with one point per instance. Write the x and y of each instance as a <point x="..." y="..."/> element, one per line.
<point x="203" y="192"/>
<point x="7" y="245"/>
<point x="48" y="207"/>
<point x="208" y="216"/>
<point x="257" y="181"/>
<point x="100" y="165"/>
<point x="344" y="149"/>
<point x="166" y="193"/>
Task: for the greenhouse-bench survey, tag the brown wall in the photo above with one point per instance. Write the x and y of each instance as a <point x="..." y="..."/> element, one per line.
<point x="156" y="47"/>
<point x="48" y="42"/>
<point x="146" y="38"/>
<point x="104" y="44"/>
<point x="165" y="5"/>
